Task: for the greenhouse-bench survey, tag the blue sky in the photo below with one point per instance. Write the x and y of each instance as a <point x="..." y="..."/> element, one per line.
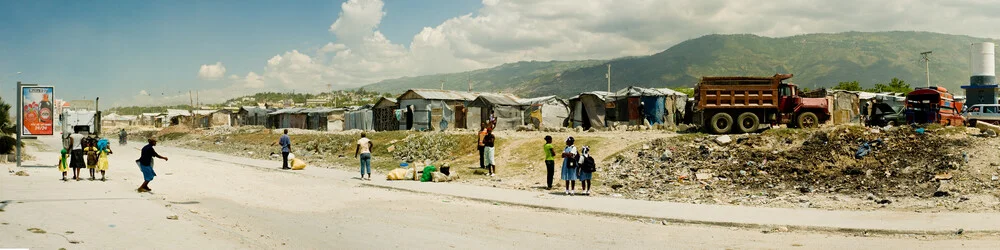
<point x="87" y="48"/>
<point x="153" y="52"/>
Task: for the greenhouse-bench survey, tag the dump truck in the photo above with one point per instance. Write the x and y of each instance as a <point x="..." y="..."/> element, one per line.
<point x="933" y="105"/>
<point x="741" y="104"/>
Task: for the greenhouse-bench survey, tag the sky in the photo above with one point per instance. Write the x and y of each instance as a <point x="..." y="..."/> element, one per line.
<point x="153" y="52"/>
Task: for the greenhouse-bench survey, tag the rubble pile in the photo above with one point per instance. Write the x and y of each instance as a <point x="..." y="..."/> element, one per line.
<point x="848" y="160"/>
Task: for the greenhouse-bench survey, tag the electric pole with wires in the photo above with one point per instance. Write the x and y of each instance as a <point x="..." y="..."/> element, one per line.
<point x="927" y="65"/>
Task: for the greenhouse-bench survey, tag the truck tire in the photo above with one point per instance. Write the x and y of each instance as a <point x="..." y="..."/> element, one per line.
<point x="721" y="123"/>
<point x="972" y="123"/>
<point x="747" y="122"/>
<point x="807" y="120"/>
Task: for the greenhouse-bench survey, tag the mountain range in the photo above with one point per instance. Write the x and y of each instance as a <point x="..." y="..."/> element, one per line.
<point x="817" y="60"/>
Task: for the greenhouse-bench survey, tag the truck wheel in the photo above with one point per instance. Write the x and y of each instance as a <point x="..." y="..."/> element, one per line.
<point x="972" y="123"/>
<point x="807" y="120"/>
<point x="747" y="122"/>
<point x="721" y="123"/>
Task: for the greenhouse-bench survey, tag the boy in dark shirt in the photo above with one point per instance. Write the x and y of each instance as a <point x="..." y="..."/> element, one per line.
<point x="145" y="163"/>
<point x="489" y="153"/>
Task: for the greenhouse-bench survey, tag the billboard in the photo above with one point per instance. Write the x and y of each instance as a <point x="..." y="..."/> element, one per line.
<point x="37" y="111"/>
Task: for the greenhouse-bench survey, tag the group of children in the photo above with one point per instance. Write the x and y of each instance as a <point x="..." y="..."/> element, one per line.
<point x="577" y="165"/>
<point x="95" y="151"/>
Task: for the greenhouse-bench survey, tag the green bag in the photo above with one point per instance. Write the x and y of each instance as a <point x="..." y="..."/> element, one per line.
<point x="428" y="173"/>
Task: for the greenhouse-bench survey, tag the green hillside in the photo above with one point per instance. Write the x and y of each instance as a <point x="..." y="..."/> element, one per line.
<point x="817" y="60"/>
<point x="508" y="77"/>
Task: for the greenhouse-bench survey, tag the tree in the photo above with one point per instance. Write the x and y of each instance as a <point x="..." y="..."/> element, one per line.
<point x="895" y="86"/>
<point x="7" y="128"/>
<point x="687" y="91"/>
<point x="849" y="86"/>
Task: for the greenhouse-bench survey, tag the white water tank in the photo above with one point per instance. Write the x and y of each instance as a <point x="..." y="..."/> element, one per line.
<point x="983" y="59"/>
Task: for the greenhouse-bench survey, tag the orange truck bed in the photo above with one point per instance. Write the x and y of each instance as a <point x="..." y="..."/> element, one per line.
<point x="738" y="92"/>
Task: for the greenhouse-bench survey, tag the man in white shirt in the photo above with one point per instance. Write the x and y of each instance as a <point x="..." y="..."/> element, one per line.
<point x="365" y="150"/>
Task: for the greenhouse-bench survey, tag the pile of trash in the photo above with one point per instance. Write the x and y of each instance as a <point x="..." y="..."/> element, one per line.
<point x="425" y="146"/>
<point x="901" y="161"/>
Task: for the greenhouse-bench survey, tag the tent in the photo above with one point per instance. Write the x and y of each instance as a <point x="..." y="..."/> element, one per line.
<point x="431" y="109"/>
<point x="506" y="108"/>
<point x="588" y="110"/>
<point x="546" y="111"/>
<point x="659" y="106"/>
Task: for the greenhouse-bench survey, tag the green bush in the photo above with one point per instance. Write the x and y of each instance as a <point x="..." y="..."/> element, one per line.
<point x="7" y="144"/>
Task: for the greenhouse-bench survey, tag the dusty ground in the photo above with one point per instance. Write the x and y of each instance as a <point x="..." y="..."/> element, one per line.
<point x="222" y="202"/>
<point x="822" y="175"/>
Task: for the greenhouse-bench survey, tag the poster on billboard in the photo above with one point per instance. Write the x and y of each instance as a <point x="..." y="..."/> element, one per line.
<point x="37" y="113"/>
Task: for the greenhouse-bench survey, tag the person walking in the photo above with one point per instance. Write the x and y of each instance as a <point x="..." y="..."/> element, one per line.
<point x="489" y="152"/>
<point x="63" y="163"/>
<point x="286" y="148"/>
<point x="145" y="163"/>
<point x="569" y="167"/>
<point x="550" y="161"/>
<point x="90" y="149"/>
<point x="481" y="147"/>
<point x="76" y="154"/>
<point x="586" y="169"/>
<point x="103" y="150"/>
<point x="365" y="149"/>
<point x="122" y="137"/>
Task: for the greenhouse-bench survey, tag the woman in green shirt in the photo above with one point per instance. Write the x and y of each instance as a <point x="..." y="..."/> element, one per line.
<point x="550" y="161"/>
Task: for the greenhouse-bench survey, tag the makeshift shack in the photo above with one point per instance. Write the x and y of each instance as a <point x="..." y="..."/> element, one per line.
<point x="177" y="117"/>
<point x="506" y="109"/>
<point x="384" y="114"/>
<point x="546" y="111"/>
<point x="431" y="109"/>
<point x="252" y="116"/>
<point x="636" y="105"/>
<point x="588" y="110"/>
<point x="361" y="119"/>
<point x="287" y="118"/>
<point x="318" y="118"/>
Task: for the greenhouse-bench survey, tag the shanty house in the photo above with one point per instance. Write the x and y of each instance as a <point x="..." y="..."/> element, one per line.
<point x="318" y="118"/>
<point x="361" y="119"/>
<point x="547" y="111"/>
<point x="589" y="109"/>
<point x="177" y="117"/>
<point x="287" y="118"/>
<point x="252" y="115"/>
<point x="431" y="109"/>
<point x="384" y="114"/>
<point x="633" y="105"/>
<point x="506" y="108"/>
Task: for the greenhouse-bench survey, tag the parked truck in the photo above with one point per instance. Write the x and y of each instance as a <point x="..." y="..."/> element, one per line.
<point x="741" y="104"/>
<point x="933" y="105"/>
<point x="86" y="122"/>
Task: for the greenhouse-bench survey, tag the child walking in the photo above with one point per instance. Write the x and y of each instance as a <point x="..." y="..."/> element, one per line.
<point x="103" y="150"/>
<point x="90" y="149"/>
<point x="63" y="163"/>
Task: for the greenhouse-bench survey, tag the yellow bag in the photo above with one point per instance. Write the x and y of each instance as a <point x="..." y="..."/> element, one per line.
<point x="298" y="164"/>
<point x="396" y="174"/>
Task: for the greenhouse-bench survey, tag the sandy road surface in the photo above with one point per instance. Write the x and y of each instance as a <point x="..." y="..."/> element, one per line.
<point x="226" y="202"/>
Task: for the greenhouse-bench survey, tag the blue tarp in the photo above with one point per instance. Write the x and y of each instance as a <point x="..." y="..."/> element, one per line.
<point x="653" y="108"/>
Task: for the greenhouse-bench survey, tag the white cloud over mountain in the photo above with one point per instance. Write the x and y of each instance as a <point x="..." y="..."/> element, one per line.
<point x="505" y="31"/>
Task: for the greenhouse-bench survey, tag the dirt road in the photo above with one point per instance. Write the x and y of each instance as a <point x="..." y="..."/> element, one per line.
<point x="231" y="202"/>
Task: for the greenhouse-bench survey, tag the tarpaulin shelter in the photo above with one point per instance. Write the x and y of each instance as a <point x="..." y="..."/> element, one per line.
<point x="431" y="109"/>
<point x="506" y="109"/>
<point x="359" y="119"/>
<point x="383" y="112"/>
<point x="546" y="111"/>
<point x="318" y="118"/>
<point x="588" y="110"/>
<point x="658" y="106"/>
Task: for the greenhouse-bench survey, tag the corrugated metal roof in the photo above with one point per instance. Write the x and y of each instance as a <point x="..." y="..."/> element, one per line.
<point x="437" y="94"/>
<point x="600" y="94"/>
<point x="177" y="112"/>
<point x="538" y="100"/>
<point x="319" y="110"/>
<point x="204" y="112"/>
<point x="287" y="111"/>
<point x="500" y="99"/>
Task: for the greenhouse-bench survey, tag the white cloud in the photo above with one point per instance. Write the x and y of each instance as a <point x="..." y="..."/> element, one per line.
<point x="143" y="93"/>
<point x="234" y="77"/>
<point x="212" y="72"/>
<point x="505" y="31"/>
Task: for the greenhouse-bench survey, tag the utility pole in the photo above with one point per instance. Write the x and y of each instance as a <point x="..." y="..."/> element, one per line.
<point x="469" y="78"/>
<point x="609" y="77"/>
<point x="927" y="66"/>
<point x="442" y="84"/>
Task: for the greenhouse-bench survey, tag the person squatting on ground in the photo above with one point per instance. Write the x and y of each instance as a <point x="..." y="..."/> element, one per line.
<point x="481" y="147"/>
<point x="103" y="150"/>
<point x="365" y="149"/>
<point x="76" y="154"/>
<point x="489" y="152"/>
<point x="569" y="167"/>
<point x="90" y="149"/>
<point x="550" y="161"/>
<point x="286" y="148"/>
<point x="586" y="169"/>
<point x="145" y="163"/>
